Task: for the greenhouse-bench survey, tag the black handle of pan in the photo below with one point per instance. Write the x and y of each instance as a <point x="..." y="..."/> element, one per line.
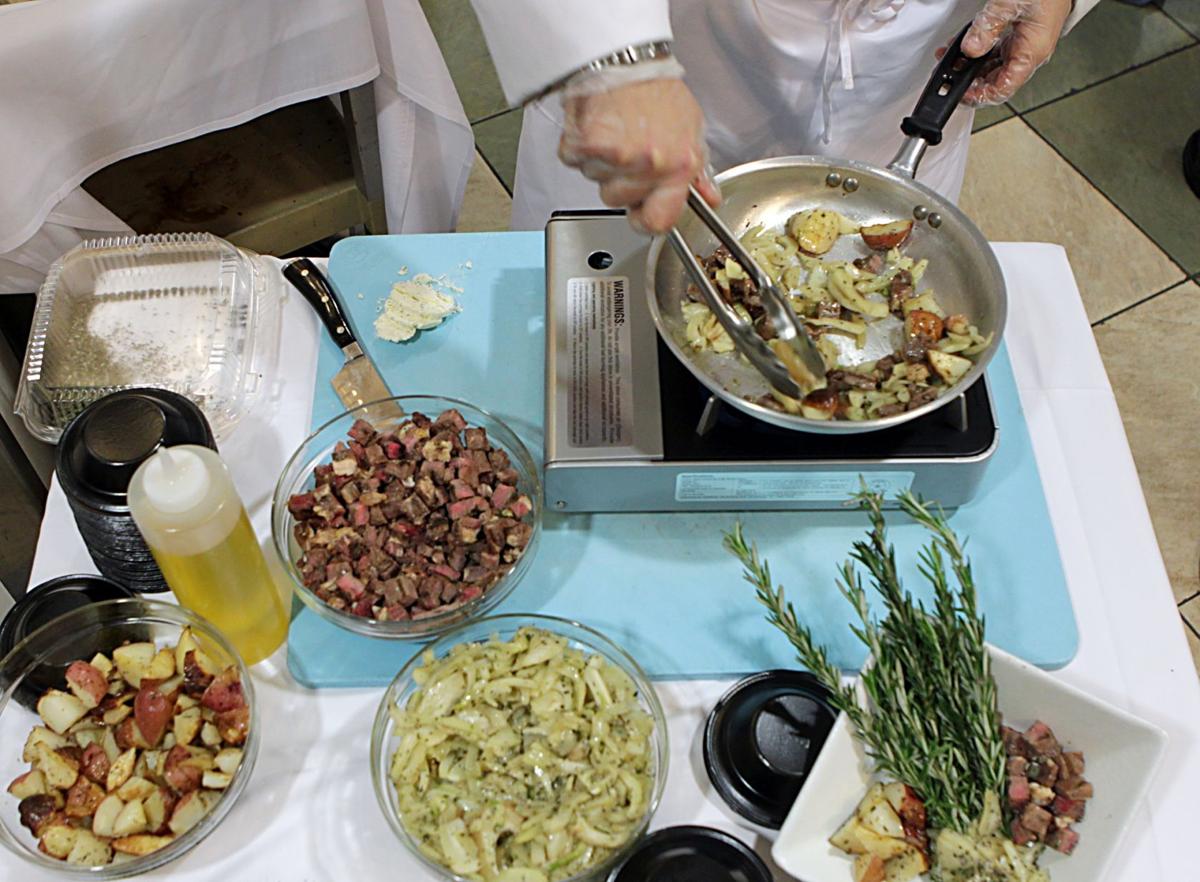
<point x="945" y="89"/>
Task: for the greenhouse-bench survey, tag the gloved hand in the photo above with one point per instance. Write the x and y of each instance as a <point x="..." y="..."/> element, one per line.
<point x="639" y="133"/>
<point x="1027" y="30"/>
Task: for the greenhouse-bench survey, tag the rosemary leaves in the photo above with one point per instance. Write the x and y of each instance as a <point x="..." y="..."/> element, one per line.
<point x="930" y="719"/>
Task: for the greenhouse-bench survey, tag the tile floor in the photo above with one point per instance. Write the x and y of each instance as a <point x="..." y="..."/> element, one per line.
<point x="1086" y="155"/>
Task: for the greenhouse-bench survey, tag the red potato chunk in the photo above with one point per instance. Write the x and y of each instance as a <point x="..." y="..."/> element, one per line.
<point x="181" y="775"/>
<point x="39" y="812"/>
<point x="152" y="712"/>
<point x="869" y="868"/>
<point x="128" y="735"/>
<point x="233" y="725"/>
<point x="195" y="678"/>
<point x="31" y="783"/>
<point x="87" y="682"/>
<point x="95" y="763"/>
<point x="883" y="237"/>
<point x="921" y="323"/>
<point x="83" y="798"/>
<point x="225" y="692"/>
<point x="824" y="401"/>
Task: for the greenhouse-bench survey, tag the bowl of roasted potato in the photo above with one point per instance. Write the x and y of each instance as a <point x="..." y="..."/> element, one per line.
<point x="141" y="740"/>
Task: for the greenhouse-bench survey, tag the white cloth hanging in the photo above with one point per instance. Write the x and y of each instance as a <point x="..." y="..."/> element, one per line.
<point x="76" y="218"/>
<point x="425" y="141"/>
<point x="84" y="84"/>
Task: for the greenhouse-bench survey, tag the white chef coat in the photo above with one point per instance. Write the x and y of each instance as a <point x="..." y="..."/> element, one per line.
<point x="774" y="78"/>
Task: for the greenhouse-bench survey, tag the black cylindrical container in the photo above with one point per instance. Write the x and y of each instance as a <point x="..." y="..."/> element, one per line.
<point x="761" y="741"/>
<point x="45" y="603"/>
<point x="98" y="454"/>
<point x="691" y="854"/>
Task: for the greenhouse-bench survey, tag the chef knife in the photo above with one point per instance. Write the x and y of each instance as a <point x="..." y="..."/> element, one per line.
<point x="358" y="382"/>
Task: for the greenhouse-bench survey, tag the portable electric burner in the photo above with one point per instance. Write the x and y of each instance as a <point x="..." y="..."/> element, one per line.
<point x="628" y="428"/>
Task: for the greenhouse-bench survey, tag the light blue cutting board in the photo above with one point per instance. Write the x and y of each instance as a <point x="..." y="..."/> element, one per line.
<point x="660" y="584"/>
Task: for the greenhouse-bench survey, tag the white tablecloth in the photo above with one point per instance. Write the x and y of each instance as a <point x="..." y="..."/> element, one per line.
<point x="310" y="812"/>
<point x="84" y="84"/>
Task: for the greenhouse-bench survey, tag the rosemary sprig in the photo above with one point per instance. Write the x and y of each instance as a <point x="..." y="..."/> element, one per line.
<point x="931" y="719"/>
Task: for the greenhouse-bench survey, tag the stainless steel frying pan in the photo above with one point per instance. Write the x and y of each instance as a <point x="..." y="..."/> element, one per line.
<point x="962" y="268"/>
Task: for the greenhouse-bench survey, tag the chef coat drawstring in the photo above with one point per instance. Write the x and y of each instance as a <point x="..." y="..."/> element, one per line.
<point x="846" y="14"/>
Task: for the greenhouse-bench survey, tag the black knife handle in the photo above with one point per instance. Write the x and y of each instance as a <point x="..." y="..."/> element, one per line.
<point x="315" y="288"/>
<point x="945" y="89"/>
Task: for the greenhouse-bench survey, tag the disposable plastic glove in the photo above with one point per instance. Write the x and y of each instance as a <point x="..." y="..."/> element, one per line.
<point x="1027" y="31"/>
<point x="638" y="132"/>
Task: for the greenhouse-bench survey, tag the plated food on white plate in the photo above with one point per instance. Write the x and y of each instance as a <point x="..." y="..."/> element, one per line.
<point x="888" y="344"/>
<point x="133" y="752"/>
<point x="944" y="762"/>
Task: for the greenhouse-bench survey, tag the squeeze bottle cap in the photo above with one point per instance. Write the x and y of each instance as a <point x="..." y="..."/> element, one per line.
<point x="175" y="480"/>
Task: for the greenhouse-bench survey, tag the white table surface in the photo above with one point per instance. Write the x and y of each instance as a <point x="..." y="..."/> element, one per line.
<point x="310" y="811"/>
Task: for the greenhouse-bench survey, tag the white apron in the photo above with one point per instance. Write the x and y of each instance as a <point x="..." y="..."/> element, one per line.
<point x="777" y="78"/>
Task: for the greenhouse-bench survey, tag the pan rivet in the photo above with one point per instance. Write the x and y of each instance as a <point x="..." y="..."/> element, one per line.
<point x="833" y="179"/>
<point x="851" y="185"/>
<point x="920" y="212"/>
<point x="935" y="220"/>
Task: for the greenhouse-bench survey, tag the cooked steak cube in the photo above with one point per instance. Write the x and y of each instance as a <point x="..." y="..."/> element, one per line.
<point x="1064" y="807"/>
<point x="1073" y="761"/>
<point x="1063" y="839"/>
<point x="1036" y="820"/>
<point x="1042" y="740"/>
<point x="1074" y="788"/>
<point x="1018" y="792"/>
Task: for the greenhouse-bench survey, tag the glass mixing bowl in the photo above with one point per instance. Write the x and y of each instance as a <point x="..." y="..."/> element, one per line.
<point x="505" y="627"/>
<point x="41" y="659"/>
<point x="317" y="449"/>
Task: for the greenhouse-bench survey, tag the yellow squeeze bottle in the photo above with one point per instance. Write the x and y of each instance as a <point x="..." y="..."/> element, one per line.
<point x="188" y="511"/>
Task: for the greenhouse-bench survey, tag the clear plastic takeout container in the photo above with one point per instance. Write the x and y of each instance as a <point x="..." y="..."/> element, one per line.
<point x="189" y="313"/>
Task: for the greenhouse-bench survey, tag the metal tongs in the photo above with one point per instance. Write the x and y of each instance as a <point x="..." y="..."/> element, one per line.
<point x="791" y="362"/>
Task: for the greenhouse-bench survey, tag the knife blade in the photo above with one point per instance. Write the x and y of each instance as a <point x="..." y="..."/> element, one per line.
<point x="358" y="382"/>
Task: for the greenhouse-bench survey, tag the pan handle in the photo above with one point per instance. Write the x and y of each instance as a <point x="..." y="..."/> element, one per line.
<point x="945" y="89"/>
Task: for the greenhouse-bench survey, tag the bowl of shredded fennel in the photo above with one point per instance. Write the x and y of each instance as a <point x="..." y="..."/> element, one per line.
<point x="520" y="748"/>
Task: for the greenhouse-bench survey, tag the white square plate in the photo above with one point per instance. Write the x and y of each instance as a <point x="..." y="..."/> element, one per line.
<point x="1121" y="751"/>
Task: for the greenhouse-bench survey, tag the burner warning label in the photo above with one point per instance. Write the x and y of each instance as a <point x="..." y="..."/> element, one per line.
<point x="600" y="395"/>
<point x="793" y="486"/>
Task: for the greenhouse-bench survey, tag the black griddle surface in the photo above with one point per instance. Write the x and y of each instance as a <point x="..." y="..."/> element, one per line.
<point x="738" y="437"/>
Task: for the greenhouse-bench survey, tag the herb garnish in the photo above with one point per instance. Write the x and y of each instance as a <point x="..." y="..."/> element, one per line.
<point x="931" y="720"/>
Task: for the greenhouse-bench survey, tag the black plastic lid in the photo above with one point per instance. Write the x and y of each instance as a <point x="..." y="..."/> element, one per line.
<point x="762" y="739"/>
<point x="692" y="854"/>
<point x="102" y="447"/>
<point x="43" y="604"/>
